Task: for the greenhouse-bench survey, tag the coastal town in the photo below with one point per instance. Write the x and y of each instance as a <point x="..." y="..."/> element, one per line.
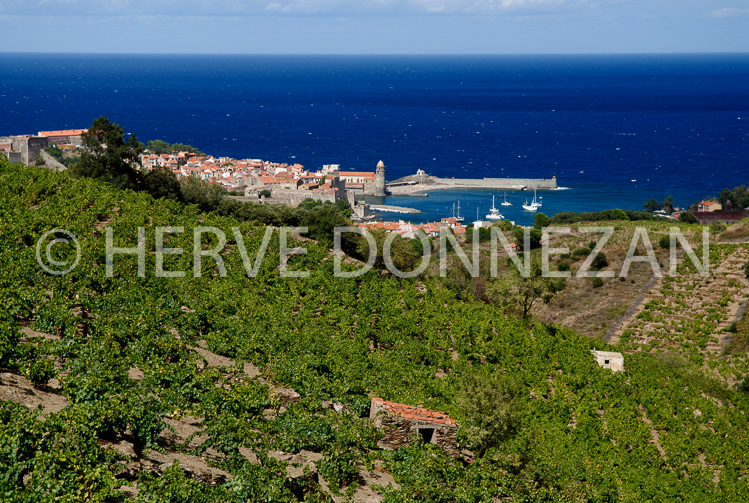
<point x="258" y="180"/>
<point x="268" y="182"/>
<point x="281" y="183"/>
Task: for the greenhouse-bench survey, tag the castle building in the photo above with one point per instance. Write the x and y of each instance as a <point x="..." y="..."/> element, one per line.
<point x="366" y="183"/>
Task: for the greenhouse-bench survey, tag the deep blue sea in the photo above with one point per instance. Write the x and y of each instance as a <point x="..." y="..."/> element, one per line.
<point x="615" y="130"/>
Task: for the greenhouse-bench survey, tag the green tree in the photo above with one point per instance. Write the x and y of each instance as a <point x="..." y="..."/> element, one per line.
<point x="540" y="221"/>
<point x="343" y="208"/>
<point x="688" y="217"/>
<point x="668" y="204"/>
<point x="535" y="236"/>
<point x="108" y="156"/>
<point x="161" y="182"/>
<point x="717" y="227"/>
<point x="725" y="196"/>
<point x="309" y="204"/>
<point x="322" y="220"/>
<point x="491" y="407"/>
<point x="518" y="293"/>
<point x="619" y="214"/>
<point x="159" y="147"/>
<point x="664" y="241"/>
<point x="485" y="234"/>
<point x="505" y="225"/>
<point x="599" y="262"/>
<point x="181" y="147"/>
<point x="207" y="196"/>
<point x="651" y="205"/>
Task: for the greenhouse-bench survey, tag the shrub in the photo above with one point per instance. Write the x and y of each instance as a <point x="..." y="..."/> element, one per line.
<point x="688" y="218"/>
<point x="597" y="282"/>
<point x="491" y="409"/>
<point x="580" y="252"/>
<point x="172" y="486"/>
<point x="599" y="262"/>
<point x="563" y="266"/>
<point x="665" y="242"/>
<point x="540" y="221"/>
<point x="339" y="467"/>
<point x="717" y="227"/>
<point x="505" y="225"/>
<point x="746" y="269"/>
<point x="743" y="386"/>
<point x="535" y="237"/>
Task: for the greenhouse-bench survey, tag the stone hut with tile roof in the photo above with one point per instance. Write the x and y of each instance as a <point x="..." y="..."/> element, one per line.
<point x="403" y="422"/>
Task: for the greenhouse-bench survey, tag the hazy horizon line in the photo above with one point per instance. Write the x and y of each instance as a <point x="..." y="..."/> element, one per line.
<point x="88" y="53"/>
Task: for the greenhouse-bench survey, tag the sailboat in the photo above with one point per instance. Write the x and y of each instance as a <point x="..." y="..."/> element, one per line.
<point x="458" y="218"/>
<point x="505" y="202"/>
<point x="494" y="213"/>
<point x="534" y="205"/>
<point x="477" y="223"/>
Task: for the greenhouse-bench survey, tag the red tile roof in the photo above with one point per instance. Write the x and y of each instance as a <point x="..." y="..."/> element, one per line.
<point x="63" y="132"/>
<point x="414" y="413"/>
<point x="357" y="173"/>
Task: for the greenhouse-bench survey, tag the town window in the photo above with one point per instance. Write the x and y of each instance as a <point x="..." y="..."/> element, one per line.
<point x="427" y="434"/>
<point x="605" y="362"/>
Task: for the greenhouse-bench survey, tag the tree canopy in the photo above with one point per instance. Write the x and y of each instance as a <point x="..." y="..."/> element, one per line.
<point x="540" y="221"/>
<point x="688" y="217"/>
<point x="518" y="293"/>
<point x="652" y="205"/>
<point x="159" y="147"/>
<point x="108" y="156"/>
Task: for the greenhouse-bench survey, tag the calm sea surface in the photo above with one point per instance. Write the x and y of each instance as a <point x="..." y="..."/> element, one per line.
<point x="615" y="130"/>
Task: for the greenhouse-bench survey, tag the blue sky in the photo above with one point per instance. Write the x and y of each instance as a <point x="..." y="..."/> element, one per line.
<point x="374" y="26"/>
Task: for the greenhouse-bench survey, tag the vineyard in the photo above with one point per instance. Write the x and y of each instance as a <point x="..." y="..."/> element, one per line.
<point x="693" y="316"/>
<point x="223" y="387"/>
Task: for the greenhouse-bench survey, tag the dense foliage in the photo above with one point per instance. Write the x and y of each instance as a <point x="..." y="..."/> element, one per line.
<point x="108" y="156"/>
<point x="736" y="198"/>
<point x="159" y="147"/>
<point x="545" y="422"/>
<point x="568" y="217"/>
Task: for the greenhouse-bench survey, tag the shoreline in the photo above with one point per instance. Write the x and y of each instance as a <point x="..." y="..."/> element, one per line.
<point x="421" y="191"/>
<point x="421" y="183"/>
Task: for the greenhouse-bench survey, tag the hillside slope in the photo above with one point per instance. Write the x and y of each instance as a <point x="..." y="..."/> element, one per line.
<point x="232" y="377"/>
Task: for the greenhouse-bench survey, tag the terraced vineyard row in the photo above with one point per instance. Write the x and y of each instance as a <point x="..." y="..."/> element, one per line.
<point x="234" y="376"/>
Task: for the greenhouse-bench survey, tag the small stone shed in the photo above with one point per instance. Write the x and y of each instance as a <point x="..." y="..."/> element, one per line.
<point x="402" y="421"/>
<point x="609" y="360"/>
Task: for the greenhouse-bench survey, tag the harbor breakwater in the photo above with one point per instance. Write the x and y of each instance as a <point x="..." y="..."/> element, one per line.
<point x="414" y="184"/>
